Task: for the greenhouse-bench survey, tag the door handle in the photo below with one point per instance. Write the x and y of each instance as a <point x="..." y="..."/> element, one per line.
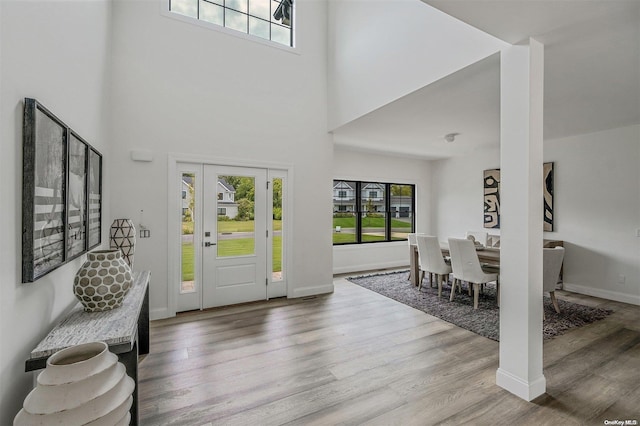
<point x="209" y="244"/>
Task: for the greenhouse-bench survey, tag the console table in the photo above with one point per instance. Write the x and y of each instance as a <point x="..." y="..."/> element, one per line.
<point x="124" y="329"/>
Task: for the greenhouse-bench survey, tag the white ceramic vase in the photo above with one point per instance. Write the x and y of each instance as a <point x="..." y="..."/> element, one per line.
<point x="102" y="281"/>
<point x="81" y="385"/>
<point x="123" y="236"/>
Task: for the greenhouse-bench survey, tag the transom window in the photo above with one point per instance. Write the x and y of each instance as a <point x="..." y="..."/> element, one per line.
<point x="266" y="19"/>
<point x="369" y="212"/>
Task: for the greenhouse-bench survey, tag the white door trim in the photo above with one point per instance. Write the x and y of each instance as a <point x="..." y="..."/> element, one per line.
<point x="173" y="203"/>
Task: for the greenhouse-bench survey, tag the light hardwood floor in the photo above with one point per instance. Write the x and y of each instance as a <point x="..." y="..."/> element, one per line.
<point x="356" y="357"/>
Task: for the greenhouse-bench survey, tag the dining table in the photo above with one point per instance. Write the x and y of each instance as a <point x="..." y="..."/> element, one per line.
<point x="488" y="255"/>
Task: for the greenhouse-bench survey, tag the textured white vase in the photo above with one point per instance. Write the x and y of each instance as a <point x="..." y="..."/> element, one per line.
<point x="123" y="236"/>
<point x="102" y="281"/>
<point x="83" y="384"/>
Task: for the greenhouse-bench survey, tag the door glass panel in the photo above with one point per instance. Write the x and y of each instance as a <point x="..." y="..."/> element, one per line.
<point x="236" y="210"/>
<point x="187" y="259"/>
<point x="277" y="230"/>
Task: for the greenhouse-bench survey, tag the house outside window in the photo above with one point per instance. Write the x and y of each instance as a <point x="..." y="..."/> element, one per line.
<point x="265" y="19"/>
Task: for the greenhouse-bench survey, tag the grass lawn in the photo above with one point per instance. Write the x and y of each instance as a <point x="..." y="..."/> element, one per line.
<point x="187" y="262"/>
<point x="369" y="222"/>
<point x="339" y="237"/>
<point x="231" y="226"/>
<point x="233" y="247"/>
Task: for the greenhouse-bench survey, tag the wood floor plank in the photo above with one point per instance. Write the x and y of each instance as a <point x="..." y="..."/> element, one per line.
<point x="356" y="357"/>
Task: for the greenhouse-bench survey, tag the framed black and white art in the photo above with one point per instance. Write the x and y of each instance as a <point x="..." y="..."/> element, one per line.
<point x="61" y="174"/>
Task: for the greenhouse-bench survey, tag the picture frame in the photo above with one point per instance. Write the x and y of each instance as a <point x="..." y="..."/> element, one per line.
<point x="94" y="199"/>
<point x="76" y="209"/>
<point x="55" y="193"/>
<point x="43" y="191"/>
<point x="491" y="179"/>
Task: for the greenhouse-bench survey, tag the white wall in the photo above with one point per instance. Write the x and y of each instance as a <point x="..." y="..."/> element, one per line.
<point x="185" y="89"/>
<point x="371" y="167"/>
<point x="381" y="50"/>
<point x="458" y="193"/>
<point x="596" y="207"/>
<point x="58" y="53"/>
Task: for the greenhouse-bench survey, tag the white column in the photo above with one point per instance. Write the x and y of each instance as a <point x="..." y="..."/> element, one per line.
<point x="521" y="218"/>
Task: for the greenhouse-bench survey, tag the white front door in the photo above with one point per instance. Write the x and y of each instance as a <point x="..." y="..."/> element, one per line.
<point x="234" y="235"/>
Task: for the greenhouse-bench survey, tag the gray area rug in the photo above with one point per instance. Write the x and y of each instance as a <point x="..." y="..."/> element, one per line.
<point x="483" y="321"/>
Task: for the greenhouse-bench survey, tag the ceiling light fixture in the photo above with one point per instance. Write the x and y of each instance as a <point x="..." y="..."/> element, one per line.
<point x="450" y="137"/>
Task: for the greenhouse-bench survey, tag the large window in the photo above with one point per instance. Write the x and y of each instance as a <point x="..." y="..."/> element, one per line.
<point x="266" y="19"/>
<point x="370" y="212"/>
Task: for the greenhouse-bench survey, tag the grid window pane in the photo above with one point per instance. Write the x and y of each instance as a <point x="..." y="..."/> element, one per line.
<point x="211" y="13"/>
<point x="260" y="9"/>
<point x="274" y="7"/>
<point x="258" y="27"/>
<point x="281" y="34"/>
<point x="235" y="20"/>
<point x="366" y="212"/>
<point x="185" y="7"/>
<point x="401" y="211"/>
<point x="239" y="5"/>
<point x="344" y="212"/>
<point x="373" y="211"/>
<point x="254" y="17"/>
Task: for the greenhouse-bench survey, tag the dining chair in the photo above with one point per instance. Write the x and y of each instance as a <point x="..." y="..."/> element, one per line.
<point x="479" y="236"/>
<point x="411" y="239"/>
<point x="432" y="260"/>
<point x="466" y="267"/>
<point x="551" y="263"/>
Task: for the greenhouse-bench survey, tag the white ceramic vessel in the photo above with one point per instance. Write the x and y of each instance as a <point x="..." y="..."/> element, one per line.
<point x="80" y="385"/>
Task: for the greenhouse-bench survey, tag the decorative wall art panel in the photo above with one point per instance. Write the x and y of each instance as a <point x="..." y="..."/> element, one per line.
<point x="492" y="197"/>
<point x="548" y="196"/>
<point x="54" y="192"/>
<point x="76" y="199"/>
<point x="95" y="199"/>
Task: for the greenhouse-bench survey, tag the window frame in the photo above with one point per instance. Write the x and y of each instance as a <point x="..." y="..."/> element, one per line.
<point x="389" y="214"/>
<point x="165" y="10"/>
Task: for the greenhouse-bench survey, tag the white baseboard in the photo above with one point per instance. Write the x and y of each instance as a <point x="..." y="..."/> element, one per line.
<point x="160" y="313"/>
<point x="369" y="267"/>
<point x="603" y="294"/>
<point x="312" y="291"/>
<point x="519" y="387"/>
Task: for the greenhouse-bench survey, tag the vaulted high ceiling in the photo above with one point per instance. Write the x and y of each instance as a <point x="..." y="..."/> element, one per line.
<point x="592" y="79"/>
